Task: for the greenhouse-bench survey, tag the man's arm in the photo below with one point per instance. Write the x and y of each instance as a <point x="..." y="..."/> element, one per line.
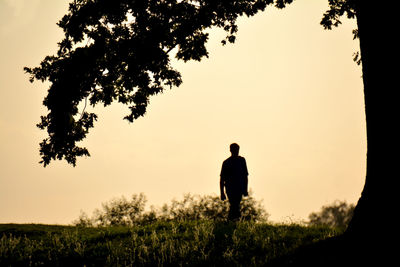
<point x="245" y="179"/>
<point x="222" y="182"/>
<point x="221" y="187"/>
<point x="245" y="184"/>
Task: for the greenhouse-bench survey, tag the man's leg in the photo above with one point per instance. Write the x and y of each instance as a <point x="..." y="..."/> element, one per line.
<point x="234" y="208"/>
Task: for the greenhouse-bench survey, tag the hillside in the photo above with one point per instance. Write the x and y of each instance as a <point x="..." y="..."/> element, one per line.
<point x="162" y="243"/>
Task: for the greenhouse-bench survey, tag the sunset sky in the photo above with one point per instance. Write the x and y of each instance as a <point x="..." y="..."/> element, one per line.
<point x="288" y="92"/>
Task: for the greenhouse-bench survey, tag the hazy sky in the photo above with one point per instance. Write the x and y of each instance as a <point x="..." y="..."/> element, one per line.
<point x="287" y="91"/>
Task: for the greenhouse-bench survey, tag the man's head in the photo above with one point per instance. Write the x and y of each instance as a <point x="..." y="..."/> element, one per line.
<point x="234" y="148"/>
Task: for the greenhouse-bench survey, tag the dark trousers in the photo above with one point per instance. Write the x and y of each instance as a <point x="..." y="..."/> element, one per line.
<point x="234" y="207"/>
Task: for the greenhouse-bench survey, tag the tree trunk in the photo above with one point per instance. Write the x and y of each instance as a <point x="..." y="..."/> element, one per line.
<point x="370" y="226"/>
<point x="367" y="240"/>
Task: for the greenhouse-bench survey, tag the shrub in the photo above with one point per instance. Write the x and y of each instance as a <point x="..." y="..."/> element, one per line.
<point x="120" y="211"/>
<point x="210" y="207"/>
<point x="337" y="214"/>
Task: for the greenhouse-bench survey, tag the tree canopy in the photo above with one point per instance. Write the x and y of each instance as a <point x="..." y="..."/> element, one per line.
<point x="121" y="51"/>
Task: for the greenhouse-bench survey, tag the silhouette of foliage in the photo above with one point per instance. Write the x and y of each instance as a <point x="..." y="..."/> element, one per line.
<point x="331" y="18"/>
<point x="338" y="8"/>
<point x="121" y="211"/>
<point x="120" y="51"/>
<point x="195" y="207"/>
<point x="337" y="215"/>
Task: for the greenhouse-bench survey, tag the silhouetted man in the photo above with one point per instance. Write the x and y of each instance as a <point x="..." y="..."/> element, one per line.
<point x="234" y="179"/>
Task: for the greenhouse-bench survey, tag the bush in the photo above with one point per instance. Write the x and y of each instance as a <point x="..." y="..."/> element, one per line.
<point x="120" y="211"/>
<point x="210" y="207"/>
<point x="337" y="215"/>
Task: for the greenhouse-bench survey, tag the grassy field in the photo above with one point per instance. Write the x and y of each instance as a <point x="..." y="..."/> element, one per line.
<point x="162" y="243"/>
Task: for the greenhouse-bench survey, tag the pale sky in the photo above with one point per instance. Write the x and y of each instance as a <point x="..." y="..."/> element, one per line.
<point x="287" y="92"/>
